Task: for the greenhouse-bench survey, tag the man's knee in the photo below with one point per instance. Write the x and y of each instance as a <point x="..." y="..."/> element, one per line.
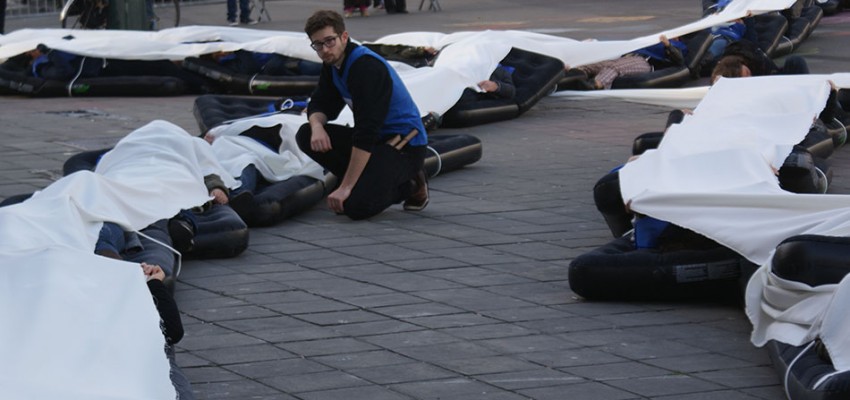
<point x="302" y="137"/>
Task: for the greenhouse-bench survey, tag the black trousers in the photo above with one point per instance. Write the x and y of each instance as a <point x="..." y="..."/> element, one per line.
<point x="386" y="180"/>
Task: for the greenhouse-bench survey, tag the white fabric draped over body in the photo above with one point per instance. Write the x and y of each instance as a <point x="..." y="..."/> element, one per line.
<point x="76" y="325"/>
<point x="714" y="174"/>
<point x="89" y="322"/>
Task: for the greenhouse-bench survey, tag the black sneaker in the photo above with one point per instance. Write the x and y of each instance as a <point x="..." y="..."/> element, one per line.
<point x="182" y="234"/>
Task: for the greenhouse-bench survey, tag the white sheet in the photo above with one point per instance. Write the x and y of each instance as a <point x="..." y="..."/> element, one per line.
<point x="713" y="174"/>
<point x="87" y="322"/>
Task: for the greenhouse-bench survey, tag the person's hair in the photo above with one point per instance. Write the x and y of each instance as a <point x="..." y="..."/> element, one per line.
<point x="728" y="67"/>
<point x="322" y="19"/>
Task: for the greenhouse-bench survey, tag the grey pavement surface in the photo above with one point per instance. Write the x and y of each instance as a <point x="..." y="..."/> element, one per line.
<point x="468" y="299"/>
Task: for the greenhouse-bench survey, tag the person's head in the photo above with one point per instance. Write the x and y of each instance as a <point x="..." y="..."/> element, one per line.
<point x="730" y="67"/>
<point x="326" y="30"/>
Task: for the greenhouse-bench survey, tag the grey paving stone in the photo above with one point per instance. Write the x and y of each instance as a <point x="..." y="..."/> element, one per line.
<point x="489" y="331"/>
<point x="327" y="346"/>
<point x="231" y="313"/>
<point x="309" y="307"/>
<point x="473" y="299"/>
<point x="243" y="354"/>
<point x="665" y="385"/>
<point x="210" y="374"/>
<point x="366" y="359"/>
<point x="652" y="349"/>
<point x="722" y="394"/>
<point x="454" y="320"/>
<point x="544" y="293"/>
<point x="295" y="334"/>
<point x="409" y="282"/>
<point x="567" y="325"/>
<point x="235" y="390"/>
<point x="415" y="311"/>
<point x="341" y="317"/>
<point x="766" y="392"/>
<point x="617" y="371"/>
<point x="262" y="324"/>
<point x="410" y="339"/>
<point x="294" y="384"/>
<point x="267" y="369"/>
<point x="357" y="393"/>
<point x="428" y="263"/>
<point x="526" y="314"/>
<point x="382" y="327"/>
<point x="355" y="271"/>
<point x="411" y="372"/>
<point x="450" y="389"/>
<point x="535" y="378"/>
<point x="234" y="339"/>
<point x="446" y="352"/>
<point x="704" y="363"/>
<point x="473" y="365"/>
<point x="385" y="300"/>
<point x="572" y="357"/>
<point x="339" y="288"/>
<point x="742" y="377"/>
<point x="526" y="344"/>
<point x="579" y="391"/>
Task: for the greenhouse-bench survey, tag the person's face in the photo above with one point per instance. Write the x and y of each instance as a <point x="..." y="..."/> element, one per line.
<point x="745" y="72"/>
<point x="329" y="46"/>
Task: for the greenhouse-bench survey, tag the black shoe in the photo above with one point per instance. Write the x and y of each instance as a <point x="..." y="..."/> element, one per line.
<point x="182" y="234"/>
<point x="242" y="203"/>
<point x="420" y="198"/>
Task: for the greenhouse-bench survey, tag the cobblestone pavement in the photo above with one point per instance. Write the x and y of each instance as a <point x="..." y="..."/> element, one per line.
<point x="468" y="299"/>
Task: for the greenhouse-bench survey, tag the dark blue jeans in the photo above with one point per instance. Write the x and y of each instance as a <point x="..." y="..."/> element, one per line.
<point x="244" y="10"/>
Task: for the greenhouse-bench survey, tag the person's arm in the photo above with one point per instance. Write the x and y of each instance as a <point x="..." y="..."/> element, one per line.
<point x="505" y="82"/>
<point x="326" y="98"/>
<point x="169" y="314"/>
<point x="325" y="104"/>
<point x="673" y="54"/>
<point x="216" y="188"/>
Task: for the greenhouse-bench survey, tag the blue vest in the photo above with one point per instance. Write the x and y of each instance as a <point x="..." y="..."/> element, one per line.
<point x="403" y="115"/>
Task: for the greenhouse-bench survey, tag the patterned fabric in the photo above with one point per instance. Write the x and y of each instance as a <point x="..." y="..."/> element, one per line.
<point x="605" y="72"/>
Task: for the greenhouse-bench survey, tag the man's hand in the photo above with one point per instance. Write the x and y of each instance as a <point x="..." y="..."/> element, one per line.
<point x="219" y="197"/>
<point x="664" y="40"/>
<point x="319" y="140"/>
<point x="337" y="198"/>
<point x="153" y="271"/>
<point x="488" y="86"/>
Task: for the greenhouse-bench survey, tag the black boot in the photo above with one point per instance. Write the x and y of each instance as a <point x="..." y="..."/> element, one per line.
<point x="419" y="199"/>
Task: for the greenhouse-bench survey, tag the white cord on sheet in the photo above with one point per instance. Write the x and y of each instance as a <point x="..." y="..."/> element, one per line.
<point x="74" y="79"/>
<point x="439" y="161"/>
<point x="251" y="83"/>
<point x="842" y="127"/>
<point x="173" y="250"/>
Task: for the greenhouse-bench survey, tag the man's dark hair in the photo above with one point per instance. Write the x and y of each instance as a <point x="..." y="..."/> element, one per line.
<point x="322" y="19"/>
<point x="728" y="67"/>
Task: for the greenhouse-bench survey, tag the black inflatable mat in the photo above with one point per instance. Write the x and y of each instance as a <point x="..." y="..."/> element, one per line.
<point x="260" y="85"/>
<point x="212" y="110"/>
<point x="220" y="233"/>
<point x="618" y="271"/>
<point x="799" y="30"/>
<point x="806" y="371"/>
<point x="12" y="83"/>
<point x="535" y="76"/>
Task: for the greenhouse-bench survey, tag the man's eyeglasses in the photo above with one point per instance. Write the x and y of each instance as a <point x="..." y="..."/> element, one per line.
<point x="328" y="43"/>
